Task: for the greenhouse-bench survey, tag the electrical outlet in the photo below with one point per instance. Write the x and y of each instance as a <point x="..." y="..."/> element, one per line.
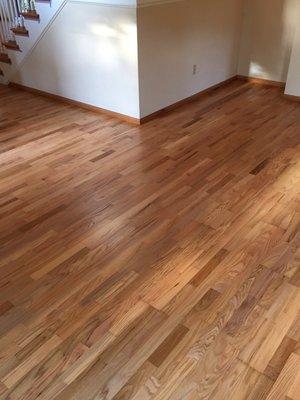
<point x="194" y="69"/>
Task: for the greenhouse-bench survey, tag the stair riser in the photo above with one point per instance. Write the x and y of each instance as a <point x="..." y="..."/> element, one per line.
<point x="5" y="60"/>
<point x="12" y="46"/>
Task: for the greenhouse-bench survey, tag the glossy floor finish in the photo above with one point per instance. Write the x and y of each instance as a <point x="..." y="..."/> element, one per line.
<point x="154" y="262"/>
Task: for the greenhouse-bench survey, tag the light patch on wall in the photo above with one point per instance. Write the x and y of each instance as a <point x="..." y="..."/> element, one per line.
<point x="267" y="38"/>
<point x="121" y="40"/>
<point x="256" y="70"/>
<point x="104" y="31"/>
<point x="129" y="41"/>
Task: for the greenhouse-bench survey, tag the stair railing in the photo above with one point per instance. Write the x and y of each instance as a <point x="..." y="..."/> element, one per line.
<point x="11" y="17"/>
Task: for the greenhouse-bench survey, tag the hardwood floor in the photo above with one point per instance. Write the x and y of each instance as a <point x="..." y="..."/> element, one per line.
<point x="155" y="262"/>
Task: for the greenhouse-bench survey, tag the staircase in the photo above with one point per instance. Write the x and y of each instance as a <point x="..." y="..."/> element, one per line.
<point x="22" y="22"/>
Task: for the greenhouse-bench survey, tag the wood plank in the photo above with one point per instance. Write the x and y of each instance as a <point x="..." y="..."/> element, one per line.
<point x="151" y="262"/>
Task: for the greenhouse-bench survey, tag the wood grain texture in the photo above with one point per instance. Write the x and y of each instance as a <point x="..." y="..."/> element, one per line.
<point x="262" y="81"/>
<point x="123" y="117"/>
<point x="150" y="262"/>
<point x="292" y="97"/>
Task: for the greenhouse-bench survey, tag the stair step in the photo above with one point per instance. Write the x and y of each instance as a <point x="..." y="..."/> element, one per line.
<point x="20" y="31"/>
<point x="11" y="45"/>
<point x="31" y="15"/>
<point x="4" y="58"/>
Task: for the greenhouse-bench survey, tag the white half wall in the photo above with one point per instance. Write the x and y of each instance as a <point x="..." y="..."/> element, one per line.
<point x="176" y="36"/>
<point x="267" y="37"/>
<point x="293" y="81"/>
<point x="89" y="54"/>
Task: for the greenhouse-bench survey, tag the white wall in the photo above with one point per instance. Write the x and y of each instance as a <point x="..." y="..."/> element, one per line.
<point x="89" y="54"/>
<point x="172" y="37"/>
<point x="267" y="37"/>
<point x="93" y="52"/>
<point x="293" y="81"/>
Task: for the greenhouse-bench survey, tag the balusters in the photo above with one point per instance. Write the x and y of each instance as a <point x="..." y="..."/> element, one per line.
<point x="8" y="15"/>
<point x="11" y="17"/>
<point x="4" y="25"/>
<point x="26" y="5"/>
<point x="15" y="13"/>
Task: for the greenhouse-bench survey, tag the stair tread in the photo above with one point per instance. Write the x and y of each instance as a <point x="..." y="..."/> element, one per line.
<point x="11" y="45"/>
<point x="30" y="15"/>
<point x="20" y="30"/>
